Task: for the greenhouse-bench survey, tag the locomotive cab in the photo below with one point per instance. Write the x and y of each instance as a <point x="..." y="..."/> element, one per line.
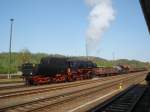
<point x="28" y="70"/>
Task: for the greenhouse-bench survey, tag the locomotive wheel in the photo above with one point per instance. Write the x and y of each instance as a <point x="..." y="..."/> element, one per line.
<point x="70" y="79"/>
<point x="31" y="82"/>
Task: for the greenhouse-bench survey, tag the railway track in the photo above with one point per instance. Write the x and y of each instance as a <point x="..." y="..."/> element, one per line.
<point x="11" y="86"/>
<point x="42" y="103"/>
<point x="10" y="82"/>
<point x="123" y="102"/>
<point x="40" y="89"/>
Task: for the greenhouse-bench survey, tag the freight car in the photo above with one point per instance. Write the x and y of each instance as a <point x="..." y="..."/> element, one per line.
<point x="131" y="70"/>
<point x="110" y="71"/>
<point x="62" y="69"/>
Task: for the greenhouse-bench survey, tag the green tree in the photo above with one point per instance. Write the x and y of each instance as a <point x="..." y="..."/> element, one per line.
<point x="25" y="56"/>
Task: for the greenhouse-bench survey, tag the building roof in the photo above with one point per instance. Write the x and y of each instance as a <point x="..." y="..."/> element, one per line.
<point x="145" y="4"/>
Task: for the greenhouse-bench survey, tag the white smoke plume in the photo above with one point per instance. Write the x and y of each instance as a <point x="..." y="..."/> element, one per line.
<point x="100" y="18"/>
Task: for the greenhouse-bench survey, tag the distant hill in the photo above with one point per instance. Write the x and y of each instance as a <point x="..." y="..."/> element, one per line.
<point x="25" y="56"/>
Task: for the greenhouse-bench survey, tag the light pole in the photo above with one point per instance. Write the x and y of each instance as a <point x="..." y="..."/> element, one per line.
<point x="11" y="29"/>
<point x="86" y="49"/>
<point x="113" y="54"/>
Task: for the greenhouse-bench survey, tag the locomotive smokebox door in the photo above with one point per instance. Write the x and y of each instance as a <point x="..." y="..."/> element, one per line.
<point x="145" y="4"/>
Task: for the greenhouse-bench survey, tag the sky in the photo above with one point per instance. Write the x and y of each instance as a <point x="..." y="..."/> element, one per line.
<point x="59" y="27"/>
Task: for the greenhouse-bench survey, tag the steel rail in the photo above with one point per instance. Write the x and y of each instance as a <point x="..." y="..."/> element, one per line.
<point x="52" y="88"/>
<point x="66" y="96"/>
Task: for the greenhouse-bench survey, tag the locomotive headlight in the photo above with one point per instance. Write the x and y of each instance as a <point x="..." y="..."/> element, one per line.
<point x="31" y="73"/>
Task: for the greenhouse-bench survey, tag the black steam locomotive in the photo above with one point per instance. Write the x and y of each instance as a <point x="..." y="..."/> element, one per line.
<point x="57" y="69"/>
<point x="62" y="69"/>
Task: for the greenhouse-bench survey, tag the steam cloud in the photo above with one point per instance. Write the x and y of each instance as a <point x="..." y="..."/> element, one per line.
<point x="100" y="18"/>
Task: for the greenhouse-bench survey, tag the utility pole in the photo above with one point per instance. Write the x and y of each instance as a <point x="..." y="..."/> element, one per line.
<point x="113" y="55"/>
<point x="10" y="41"/>
<point x="86" y="51"/>
<point x="86" y="48"/>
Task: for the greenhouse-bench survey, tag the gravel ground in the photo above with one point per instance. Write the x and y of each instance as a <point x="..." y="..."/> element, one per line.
<point x="10" y="85"/>
<point x="10" y="81"/>
<point x="61" y="84"/>
<point x="27" y="98"/>
<point x="7" y="91"/>
<point x="83" y="103"/>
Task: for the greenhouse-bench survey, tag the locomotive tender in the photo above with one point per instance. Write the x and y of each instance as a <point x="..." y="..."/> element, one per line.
<point x="62" y="69"/>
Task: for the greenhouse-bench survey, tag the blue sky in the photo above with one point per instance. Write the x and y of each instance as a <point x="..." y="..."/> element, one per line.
<point x="59" y="26"/>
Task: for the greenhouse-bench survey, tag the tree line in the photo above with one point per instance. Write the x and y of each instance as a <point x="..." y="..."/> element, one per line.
<point x="18" y="58"/>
